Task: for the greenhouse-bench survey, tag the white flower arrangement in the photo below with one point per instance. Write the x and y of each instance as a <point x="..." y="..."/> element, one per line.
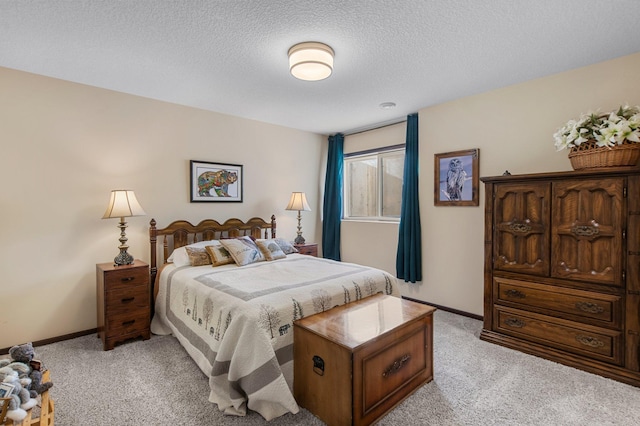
<point x="609" y="130"/>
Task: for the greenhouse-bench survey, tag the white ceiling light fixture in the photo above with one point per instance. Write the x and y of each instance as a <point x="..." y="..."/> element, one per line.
<point x="311" y="61"/>
<point x="387" y="105"/>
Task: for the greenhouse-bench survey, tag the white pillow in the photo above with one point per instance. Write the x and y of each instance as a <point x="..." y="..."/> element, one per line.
<point x="219" y="255"/>
<point x="243" y="250"/>
<point x="179" y="257"/>
<point x="270" y="249"/>
<point x="286" y="246"/>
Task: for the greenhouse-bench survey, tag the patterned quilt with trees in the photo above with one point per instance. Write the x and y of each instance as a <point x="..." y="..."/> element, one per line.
<point x="237" y="322"/>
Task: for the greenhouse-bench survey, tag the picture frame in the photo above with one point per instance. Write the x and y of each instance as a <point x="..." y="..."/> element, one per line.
<point x="456" y="178"/>
<point x="215" y="182"/>
<point x="6" y="389"/>
<point x="4" y="406"/>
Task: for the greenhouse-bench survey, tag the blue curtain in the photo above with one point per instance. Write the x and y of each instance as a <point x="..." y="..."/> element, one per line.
<point x="409" y="256"/>
<point x="332" y="206"/>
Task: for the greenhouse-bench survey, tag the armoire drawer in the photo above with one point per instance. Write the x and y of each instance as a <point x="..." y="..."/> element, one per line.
<point x="582" y="339"/>
<point x="578" y="305"/>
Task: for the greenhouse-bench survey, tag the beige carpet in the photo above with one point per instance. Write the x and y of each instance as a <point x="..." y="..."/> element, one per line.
<point x="476" y="383"/>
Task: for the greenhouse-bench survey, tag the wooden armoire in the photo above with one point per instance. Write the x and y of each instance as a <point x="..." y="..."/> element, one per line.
<point x="562" y="268"/>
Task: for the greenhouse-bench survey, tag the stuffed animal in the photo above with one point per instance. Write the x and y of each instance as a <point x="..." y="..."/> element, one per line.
<point x="25" y="354"/>
<point x="20" y="400"/>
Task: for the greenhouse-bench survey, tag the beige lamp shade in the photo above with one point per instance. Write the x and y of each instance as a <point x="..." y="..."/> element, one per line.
<point x="298" y="202"/>
<point x="123" y="203"/>
<point x="311" y="61"/>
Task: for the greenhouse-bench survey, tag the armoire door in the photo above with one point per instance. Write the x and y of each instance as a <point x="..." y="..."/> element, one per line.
<point x="522" y="227"/>
<point x="588" y="223"/>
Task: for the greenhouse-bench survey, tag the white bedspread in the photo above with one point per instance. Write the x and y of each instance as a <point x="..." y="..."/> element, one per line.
<point x="237" y="322"/>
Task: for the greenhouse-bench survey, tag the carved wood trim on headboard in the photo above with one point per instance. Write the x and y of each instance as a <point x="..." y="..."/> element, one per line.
<point x="181" y="233"/>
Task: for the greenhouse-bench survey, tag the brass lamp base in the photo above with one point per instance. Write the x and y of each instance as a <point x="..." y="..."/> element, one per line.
<point x="123" y="258"/>
<point x="299" y="239"/>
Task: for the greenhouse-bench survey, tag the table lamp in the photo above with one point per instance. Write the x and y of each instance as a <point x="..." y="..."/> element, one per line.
<point x="123" y="203"/>
<point x="298" y="202"/>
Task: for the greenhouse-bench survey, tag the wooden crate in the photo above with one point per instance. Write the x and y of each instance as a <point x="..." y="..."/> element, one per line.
<point x="47" y="410"/>
<point x="354" y="363"/>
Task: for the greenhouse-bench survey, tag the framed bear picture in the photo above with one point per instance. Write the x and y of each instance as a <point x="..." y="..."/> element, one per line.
<point x="215" y="182"/>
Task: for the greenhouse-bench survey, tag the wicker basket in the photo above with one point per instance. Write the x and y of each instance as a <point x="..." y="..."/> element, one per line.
<point x="590" y="156"/>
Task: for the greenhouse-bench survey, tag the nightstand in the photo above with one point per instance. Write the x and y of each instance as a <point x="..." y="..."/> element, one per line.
<point x="310" y="249"/>
<point x="123" y="302"/>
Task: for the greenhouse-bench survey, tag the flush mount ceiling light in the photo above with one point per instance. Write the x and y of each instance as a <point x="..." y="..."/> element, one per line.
<point x="311" y="61"/>
<point x="387" y="105"/>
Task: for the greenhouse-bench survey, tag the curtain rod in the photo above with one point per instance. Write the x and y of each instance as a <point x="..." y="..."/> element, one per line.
<point x="376" y="126"/>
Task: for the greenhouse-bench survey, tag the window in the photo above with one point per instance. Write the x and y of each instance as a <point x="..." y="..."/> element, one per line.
<point x="373" y="184"/>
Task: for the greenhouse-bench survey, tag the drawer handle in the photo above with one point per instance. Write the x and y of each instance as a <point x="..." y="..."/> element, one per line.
<point x="517" y="294"/>
<point x="318" y="365"/>
<point x="515" y="322"/>
<point x="590" y="341"/>
<point x="128" y="299"/>
<point x="396" y="366"/>
<point x="585" y="230"/>
<point x="128" y="323"/>
<point x="592" y="308"/>
<point x="127" y="279"/>
<point x="520" y="227"/>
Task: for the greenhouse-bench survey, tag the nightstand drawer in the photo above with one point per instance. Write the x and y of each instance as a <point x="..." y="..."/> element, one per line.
<point x="127" y="323"/>
<point x="128" y="299"/>
<point x="126" y="278"/>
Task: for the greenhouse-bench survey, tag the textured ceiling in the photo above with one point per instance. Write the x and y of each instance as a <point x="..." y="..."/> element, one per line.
<point x="230" y="56"/>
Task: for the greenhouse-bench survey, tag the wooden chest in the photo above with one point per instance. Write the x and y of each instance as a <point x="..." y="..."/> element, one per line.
<point x="354" y="363"/>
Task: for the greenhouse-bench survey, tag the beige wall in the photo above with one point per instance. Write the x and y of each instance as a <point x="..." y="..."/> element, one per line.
<point x="371" y="243"/>
<point x="513" y="128"/>
<point x="65" y="146"/>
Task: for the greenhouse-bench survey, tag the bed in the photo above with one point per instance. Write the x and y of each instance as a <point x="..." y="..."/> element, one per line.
<point x="236" y="322"/>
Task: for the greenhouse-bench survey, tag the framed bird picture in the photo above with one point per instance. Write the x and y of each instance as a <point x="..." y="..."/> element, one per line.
<point x="456" y="178"/>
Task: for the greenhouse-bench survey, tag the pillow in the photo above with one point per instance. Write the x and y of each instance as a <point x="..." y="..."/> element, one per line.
<point x="270" y="249"/>
<point x="179" y="257"/>
<point x="219" y="255"/>
<point x="198" y="256"/>
<point x="285" y="245"/>
<point x="243" y="250"/>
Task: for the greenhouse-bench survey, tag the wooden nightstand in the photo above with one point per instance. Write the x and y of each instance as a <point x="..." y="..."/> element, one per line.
<point x="310" y="249"/>
<point x="123" y="302"/>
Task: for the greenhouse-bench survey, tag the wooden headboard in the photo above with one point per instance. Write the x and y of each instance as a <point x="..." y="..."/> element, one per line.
<point x="181" y="233"/>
